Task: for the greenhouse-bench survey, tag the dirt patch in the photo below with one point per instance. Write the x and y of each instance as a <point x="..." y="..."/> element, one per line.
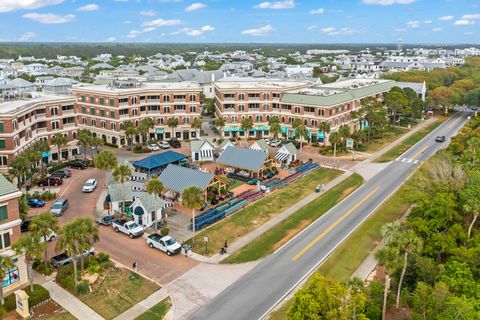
<point x="302" y="225"/>
<point x="347" y="191"/>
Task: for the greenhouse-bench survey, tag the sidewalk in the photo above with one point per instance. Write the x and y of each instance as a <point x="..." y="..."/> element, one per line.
<point x="249" y="237"/>
<point x="69" y="302"/>
<point x="144" y="305"/>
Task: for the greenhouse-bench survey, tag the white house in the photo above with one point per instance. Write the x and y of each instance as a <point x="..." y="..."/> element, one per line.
<point x="225" y="144"/>
<point x="286" y="154"/>
<point x="148" y="209"/>
<point x="260" y="145"/>
<point x="202" y="150"/>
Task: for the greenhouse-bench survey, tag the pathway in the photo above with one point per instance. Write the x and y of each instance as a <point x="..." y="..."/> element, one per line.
<point x="144" y="305"/>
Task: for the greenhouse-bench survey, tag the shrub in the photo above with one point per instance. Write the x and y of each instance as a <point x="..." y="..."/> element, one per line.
<point x="38" y="295"/>
<point x="93" y="267"/>
<point x="102" y="257"/>
<point x="58" y="166"/>
<point x="164" y="231"/>
<point x="65" y="277"/>
<point x="111" y="145"/>
<point x="82" y="287"/>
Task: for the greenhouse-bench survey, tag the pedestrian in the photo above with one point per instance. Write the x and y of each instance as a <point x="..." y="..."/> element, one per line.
<point x="225" y="244"/>
<point x="186" y="248"/>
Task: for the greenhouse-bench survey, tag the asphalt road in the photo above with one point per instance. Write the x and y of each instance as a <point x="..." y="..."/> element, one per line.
<point x="261" y="289"/>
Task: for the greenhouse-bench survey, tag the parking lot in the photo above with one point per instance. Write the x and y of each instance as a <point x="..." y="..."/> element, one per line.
<point x="150" y="262"/>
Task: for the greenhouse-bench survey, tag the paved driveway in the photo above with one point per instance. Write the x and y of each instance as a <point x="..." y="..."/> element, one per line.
<point x="151" y="262"/>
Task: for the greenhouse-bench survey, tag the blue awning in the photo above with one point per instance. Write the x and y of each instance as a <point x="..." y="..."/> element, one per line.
<point x="159" y="160"/>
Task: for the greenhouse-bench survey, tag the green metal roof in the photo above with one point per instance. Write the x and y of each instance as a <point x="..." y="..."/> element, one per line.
<point x="337" y="98"/>
<point x="6" y="187"/>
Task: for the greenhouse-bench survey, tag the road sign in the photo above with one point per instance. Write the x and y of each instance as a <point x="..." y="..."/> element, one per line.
<point x="349" y="144"/>
<point x="205" y="238"/>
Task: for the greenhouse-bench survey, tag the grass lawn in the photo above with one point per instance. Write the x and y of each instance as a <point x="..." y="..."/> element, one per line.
<point x="236" y="183"/>
<point x="256" y="214"/>
<point x="284" y="231"/>
<point x="349" y="255"/>
<point x="396" y="151"/>
<point x="115" y="292"/>
<point x="157" y="312"/>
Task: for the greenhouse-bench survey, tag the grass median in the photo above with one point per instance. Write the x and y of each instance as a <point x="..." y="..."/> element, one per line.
<point x="157" y="312"/>
<point x="256" y="214"/>
<point x="288" y="228"/>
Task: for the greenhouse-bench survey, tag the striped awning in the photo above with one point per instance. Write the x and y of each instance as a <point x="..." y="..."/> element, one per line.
<point x="280" y="156"/>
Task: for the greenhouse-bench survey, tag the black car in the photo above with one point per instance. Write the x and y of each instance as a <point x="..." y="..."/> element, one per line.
<point x="106" y="221"/>
<point x="25" y="226"/>
<point x="62" y="173"/>
<point x="440" y="139"/>
<point x="78" y="165"/>
<point x="50" y="181"/>
<point x="174" y="143"/>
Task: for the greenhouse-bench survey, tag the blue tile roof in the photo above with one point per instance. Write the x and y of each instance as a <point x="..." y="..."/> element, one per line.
<point x="159" y="160"/>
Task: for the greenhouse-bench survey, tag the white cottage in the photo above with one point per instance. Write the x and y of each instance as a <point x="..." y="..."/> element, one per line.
<point x="286" y="154"/>
<point x="260" y="145"/>
<point x="202" y="150"/>
<point x="147" y="209"/>
<point x="225" y="144"/>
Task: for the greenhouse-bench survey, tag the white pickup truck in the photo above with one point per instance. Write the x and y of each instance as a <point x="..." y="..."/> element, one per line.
<point x="166" y="244"/>
<point x="128" y="227"/>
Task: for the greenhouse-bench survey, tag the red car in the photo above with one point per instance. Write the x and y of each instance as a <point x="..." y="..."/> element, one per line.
<point x="52" y="181"/>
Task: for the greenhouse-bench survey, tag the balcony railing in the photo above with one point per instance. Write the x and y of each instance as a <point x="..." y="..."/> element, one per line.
<point x="40" y="116"/>
<point x="42" y="130"/>
<point x="69" y="125"/>
<point x="69" y="111"/>
<point x="124" y="116"/>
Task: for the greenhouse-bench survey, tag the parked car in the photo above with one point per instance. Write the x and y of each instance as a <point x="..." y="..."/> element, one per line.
<point x="165" y="244"/>
<point x="153" y="147"/>
<point x="63" y="259"/>
<point x="25" y="225"/>
<point x="35" y="203"/>
<point x="440" y="139"/>
<point x="267" y="140"/>
<point x="268" y="175"/>
<point x="89" y="185"/>
<point x="62" y="173"/>
<point x="50" y="181"/>
<point x="252" y="182"/>
<point x="106" y="221"/>
<point x="163" y="144"/>
<point x="275" y="143"/>
<point x="174" y="143"/>
<point x="59" y="206"/>
<point x="80" y="165"/>
<point x="49" y="237"/>
<point x="128" y="227"/>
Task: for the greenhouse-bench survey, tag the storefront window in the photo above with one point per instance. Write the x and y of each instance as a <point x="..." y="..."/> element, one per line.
<point x="13" y="275"/>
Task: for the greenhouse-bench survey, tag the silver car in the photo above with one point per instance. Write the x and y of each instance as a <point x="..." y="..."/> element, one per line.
<point x="59" y="207"/>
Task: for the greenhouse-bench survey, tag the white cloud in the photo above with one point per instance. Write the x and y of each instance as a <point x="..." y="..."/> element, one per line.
<point x="195" y="6"/>
<point x="89" y="7"/>
<point x="445" y="18"/>
<point x="400" y="29"/>
<point x="311" y="28"/>
<point x="263" y="31"/>
<point x="133" y="34"/>
<point x="148" y="29"/>
<point x="469" y="33"/>
<point x="207" y="28"/>
<point x="49" y="18"/>
<point x="317" y="11"/>
<point x="437" y="29"/>
<point x="387" y="2"/>
<point x="127" y="22"/>
<point x="110" y="39"/>
<point x="161" y="23"/>
<point x="194" y="32"/>
<point x="332" y="31"/>
<point x="12" y="5"/>
<point x="463" y="22"/>
<point x="148" y="13"/>
<point x="413" y="24"/>
<point x="427" y="21"/>
<point x="287" y="4"/>
<point x="27" y="36"/>
<point x="471" y="17"/>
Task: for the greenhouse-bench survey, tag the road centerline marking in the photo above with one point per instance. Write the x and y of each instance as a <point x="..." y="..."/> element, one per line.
<point x="418" y="153"/>
<point x="314" y="241"/>
<point x="454" y="122"/>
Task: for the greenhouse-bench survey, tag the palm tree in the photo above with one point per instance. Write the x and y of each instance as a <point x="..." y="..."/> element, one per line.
<point x="471" y="201"/>
<point x="408" y="242"/>
<point x="334" y="139"/>
<point x="88" y="235"/>
<point x="389" y="231"/>
<point x="386" y="257"/>
<point x="96" y="142"/>
<point x="359" y="136"/>
<point x="31" y="248"/>
<point x="121" y="173"/>
<point x="144" y="127"/>
<point x="69" y="241"/>
<point x="197" y="125"/>
<point x="220" y="123"/>
<point x="130" y="132"/>
<point x="19" y="168"/>
<point x="155" y="187"/>
<point x="42" y="226"/>
<point x="246" y="125"/>
<point x="41" y="146"/>
<point x="84" y="140"/>
<point x="325" y="128"/>
<point x="344" y="132"/>
<point x="301" y="132"/>
<point x="60" y="141"/>
<point x="192" y="198"/>
<point x="172" y="124"/>
<point x="275" y="127"/>
<point x="6" y="263"/>
<point x="105" y="160"/>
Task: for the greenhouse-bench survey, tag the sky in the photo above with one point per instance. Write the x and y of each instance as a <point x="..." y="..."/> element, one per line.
<point x="241" y="21"/>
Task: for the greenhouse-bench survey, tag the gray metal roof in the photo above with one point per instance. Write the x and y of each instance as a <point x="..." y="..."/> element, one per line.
<point x="196" y="145"/>
<point x="247" y="159"/>
<point x="291" y="148"/>
<point x="6" y="187"/>
<point x="179" y="178"/>
<point x="261" y="144"/>
<point x="148" y="201"/>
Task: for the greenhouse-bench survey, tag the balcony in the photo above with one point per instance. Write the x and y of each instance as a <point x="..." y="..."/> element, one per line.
<point x="40" y="116"/>
<point x="69" y="112"/>
<point x="42" y="130"/>
<point x="69" y="125"/>
<point x="179" y="111"/>
<point x="123" y="104"/>
<point x="309" y="113"/>
<point x="154" y="101"/>
<point x="285" y="111"/>
<point x="124" y="116"/>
